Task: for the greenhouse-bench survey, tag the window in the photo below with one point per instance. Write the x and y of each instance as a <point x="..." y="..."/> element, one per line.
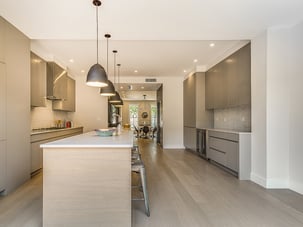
<point x="153" y="114"/>
<point x="133" y="114"/>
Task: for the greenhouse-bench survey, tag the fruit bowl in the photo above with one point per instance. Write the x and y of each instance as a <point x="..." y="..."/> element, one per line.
<point x="105" y="132"/>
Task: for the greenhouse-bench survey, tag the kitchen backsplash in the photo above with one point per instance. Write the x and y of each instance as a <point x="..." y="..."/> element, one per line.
<point x="237" y="118"/>
<point x="44" y="117"/>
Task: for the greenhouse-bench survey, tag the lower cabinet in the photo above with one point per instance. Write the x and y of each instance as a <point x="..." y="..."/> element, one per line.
<point x="44" y="137"/>
<point x="231" y="150"/>
<point x="2" y="164"/>
<point x="190" y="138"/>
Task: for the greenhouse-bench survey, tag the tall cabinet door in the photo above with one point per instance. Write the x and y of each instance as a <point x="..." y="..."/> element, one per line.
<point x="2" y="126"/>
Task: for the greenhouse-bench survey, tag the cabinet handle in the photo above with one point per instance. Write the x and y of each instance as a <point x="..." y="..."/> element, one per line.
<point x="217" y="150"/>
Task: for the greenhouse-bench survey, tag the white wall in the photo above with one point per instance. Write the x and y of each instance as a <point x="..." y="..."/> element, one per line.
<point x="258" y="108"/>
<point x="45" y="117"/>
<point x="296" y="109"/>
<point x="172" y="109"/>
<point x="91" y="107"/>
<point x="277" y="108"/>
<point x="91" y="110"/>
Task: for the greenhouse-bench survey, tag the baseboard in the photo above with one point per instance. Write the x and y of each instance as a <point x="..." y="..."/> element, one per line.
<point x="270" y="182"/>
<point x="277" y="183"/>
<point x="258" y="179"/>
<point x="296" y="186"/>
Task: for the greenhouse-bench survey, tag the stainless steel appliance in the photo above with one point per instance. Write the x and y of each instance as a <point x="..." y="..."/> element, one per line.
<point x="201" y="142"/>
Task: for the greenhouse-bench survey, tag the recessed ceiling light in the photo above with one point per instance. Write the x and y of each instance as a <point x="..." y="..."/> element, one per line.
<point x="82" y="71"/>
<point x="121" y="87"/>
<point x="136" y="71"/>
<point x="71" y="60"/>
<point x="184" y="71"/>
<point x="195" y="60"/>
<point x="212" y="45"/>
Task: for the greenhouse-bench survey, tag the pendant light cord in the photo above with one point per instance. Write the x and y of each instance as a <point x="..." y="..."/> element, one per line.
<point x="115" y="52"/>
<point x="119" y="76"/>
<point x="97" y="20"/>
<point x="107" y="56"/>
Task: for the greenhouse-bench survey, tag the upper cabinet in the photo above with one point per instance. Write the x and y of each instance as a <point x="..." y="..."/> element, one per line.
<point x="68" y="103"/>
<point x="189" y="101"/>
<point x="194" y="112"/>
<point x="38" y="81"/>
<point x="2" y="32"/>
<point x="228" y="82"/>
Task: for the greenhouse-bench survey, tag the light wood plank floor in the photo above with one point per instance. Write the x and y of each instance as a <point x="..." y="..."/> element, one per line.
<point x="184" y="190"/>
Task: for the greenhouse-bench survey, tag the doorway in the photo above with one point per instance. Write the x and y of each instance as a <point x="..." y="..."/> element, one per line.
<point x="141" y="108"/>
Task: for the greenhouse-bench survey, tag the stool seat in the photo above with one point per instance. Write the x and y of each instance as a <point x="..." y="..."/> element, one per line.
<point x="137" y="166"/>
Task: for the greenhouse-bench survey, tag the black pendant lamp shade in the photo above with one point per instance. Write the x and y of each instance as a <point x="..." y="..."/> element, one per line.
<point x="96" y="76"/>
<point x="109" y="90"/>
<point x="120" y="103"/>
<point x="115" y="99"/>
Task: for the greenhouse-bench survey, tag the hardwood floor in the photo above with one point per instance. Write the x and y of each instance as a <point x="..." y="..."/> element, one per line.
<point x="184" y="190"/>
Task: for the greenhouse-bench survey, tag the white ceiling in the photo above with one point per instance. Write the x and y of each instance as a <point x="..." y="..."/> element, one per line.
<point x="155" y="37"/>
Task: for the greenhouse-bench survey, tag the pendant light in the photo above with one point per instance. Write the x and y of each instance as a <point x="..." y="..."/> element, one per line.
<point x="116" y="98"/>
<point x="110" y="89"/>
<point x="120" y="103"/>
<point x="96" y="76"/>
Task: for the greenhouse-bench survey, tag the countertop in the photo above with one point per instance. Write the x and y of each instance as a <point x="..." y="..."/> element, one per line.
<point x="47" y="130"/>
<point x="225" y="130"/>
<point x="92" y="140"/>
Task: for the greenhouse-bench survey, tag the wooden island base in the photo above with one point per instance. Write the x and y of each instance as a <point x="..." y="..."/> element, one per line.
<point x="87" y="186"/>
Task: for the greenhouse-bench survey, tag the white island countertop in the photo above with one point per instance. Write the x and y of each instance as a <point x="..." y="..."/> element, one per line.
<point x="92" y="140"/>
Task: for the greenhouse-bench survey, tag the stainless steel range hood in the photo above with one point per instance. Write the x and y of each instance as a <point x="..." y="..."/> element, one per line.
<point x="56" y="82"/>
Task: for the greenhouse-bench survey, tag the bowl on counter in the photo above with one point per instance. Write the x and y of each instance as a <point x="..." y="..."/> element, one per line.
<point x="105" y="132"/>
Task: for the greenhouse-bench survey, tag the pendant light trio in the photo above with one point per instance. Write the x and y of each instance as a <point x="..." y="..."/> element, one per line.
<point x="97" y="76"/>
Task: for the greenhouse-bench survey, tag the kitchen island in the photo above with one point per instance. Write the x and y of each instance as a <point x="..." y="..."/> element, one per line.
<point x="87" y="181"/>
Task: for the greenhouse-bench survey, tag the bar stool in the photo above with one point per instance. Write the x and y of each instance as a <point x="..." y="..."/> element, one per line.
<point x="135" y="153"/>
<point x="138" y="167"/>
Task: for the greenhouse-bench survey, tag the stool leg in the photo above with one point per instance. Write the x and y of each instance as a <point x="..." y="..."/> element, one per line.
<point x="143" y="180"/>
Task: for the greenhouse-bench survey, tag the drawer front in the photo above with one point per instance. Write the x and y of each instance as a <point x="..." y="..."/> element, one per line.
<point x="56" y="134"/>
<point x="229" y="148"/>
<point x="224" y="135"/>
<point x="222" y="145"/>
<point x="217" y="156"/>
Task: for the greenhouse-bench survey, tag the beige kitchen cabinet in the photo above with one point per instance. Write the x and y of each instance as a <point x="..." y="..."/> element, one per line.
<point x="42" y="137"/>
<point x="38" y="81"/>
<point x="69" y="103"/>
<point x="231" y="150"/>
<point x="244" y="76"/>
<point x="189" y="101"/>
<point x="228" y="83"/>
<point x="2" y="164"/>
<point x="2" y="125"/>
<point x="190" y="138"/>
<point x="194" y="113"/>
<point x="216" y="87"/>
<point x="2" y="32"/>
<point x="2" y="101"/>
<point x="14" y="106"/>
